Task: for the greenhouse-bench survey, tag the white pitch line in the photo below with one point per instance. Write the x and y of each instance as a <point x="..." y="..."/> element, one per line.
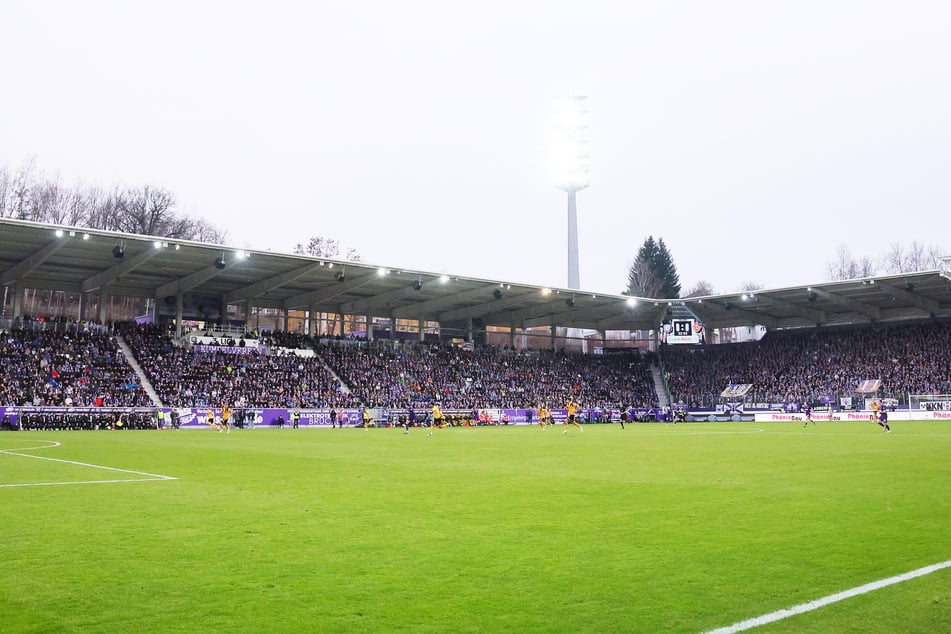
<point x="719" y="433"/>
<point x="772" y="617"/>
<point x="150" y="476"/>
<point x="51" y="484"/>
<point x="54" y="444"/>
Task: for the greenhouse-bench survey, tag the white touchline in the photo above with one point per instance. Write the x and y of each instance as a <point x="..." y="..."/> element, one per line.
<point x="824" y="601"/>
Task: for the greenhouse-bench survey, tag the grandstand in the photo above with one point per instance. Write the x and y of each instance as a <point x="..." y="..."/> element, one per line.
<point x="460" y="341"/>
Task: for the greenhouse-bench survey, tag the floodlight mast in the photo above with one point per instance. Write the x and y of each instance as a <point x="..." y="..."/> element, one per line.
<point x="571" y="166"/>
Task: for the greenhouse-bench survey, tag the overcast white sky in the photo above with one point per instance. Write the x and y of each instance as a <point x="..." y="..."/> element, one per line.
<point x="755" y="138"/>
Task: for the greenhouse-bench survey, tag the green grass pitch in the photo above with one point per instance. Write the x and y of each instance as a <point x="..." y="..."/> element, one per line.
<point x="656" y="528"/>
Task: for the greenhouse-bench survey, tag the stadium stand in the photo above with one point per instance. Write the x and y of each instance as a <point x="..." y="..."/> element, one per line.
<point x="805" y="364"/>
<point x="259" y="377"/>
<point x="56" y="368"/>
<point x="381" y="374"/>
<point x="65" y="368"/>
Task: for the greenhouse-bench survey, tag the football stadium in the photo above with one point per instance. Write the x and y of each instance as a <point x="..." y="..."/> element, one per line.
<point x="286" y="443"/>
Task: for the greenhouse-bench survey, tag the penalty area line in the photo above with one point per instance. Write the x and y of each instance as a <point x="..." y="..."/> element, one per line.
<point x="778" y="615"/>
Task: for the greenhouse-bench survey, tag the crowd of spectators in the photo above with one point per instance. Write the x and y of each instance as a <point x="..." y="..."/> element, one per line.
<point x="47" y="368"/>
<point x="797" y="366"/>
<point x="417" y="375"/>
<point x="283" y="339"/>
<point x="353" y="373"/>
<point x="186" y="377"/>
<point x="55" y="368"/>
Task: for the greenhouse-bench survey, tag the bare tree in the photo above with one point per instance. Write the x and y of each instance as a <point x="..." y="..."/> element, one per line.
<point x="916" y="257"/>
<point x="203" y="231"/>
<point x="147" y="211"/>
<point x="700" y="289"/>
<point x="751" y="286"/>
<point x="845" y="267"/>
<point x="895" y="260"/>
<point x="642" y="281"/>
<point x="933" y="258"/>
<point x="319" y="247"/>
<point x="20" y="192"/>
<point x="51" y="202"/>
<point x="83" y="205"/>
<point x="6" y="187"/>
<point x="867" y="267"/>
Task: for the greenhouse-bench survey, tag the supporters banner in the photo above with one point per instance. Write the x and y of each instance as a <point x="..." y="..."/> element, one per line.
<point x="229" y="349"/>
<point x="730" y="408"/>
<point x="736" y="389"/>
<point x="868" y="386"/>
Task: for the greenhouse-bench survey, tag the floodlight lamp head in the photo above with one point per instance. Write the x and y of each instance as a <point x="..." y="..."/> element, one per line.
<point x="569" y="153"/>
<point x="341" y="276"/>
<point x="118" y="252"/>
<point x="417" y="285"/>
<point x="497" y="294"/>
<point x="220" y="262"/>
<point x="570" y="302"/>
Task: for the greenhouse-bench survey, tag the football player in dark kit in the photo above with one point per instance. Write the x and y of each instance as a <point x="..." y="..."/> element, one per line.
<point x="883" y="419"/>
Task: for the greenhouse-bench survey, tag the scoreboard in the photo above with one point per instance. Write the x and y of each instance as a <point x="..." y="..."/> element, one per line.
<point x="682" y="331"/>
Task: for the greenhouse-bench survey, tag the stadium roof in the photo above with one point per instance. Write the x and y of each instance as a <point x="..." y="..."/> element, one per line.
<point x="50" y="257"/>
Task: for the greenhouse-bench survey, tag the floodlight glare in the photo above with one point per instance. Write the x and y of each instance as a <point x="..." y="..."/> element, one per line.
<point x="570" y="155"/>
<point x="569" y="160"/>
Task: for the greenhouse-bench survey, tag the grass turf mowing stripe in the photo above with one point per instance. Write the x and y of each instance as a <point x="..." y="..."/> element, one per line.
<point x="779" y="615"/>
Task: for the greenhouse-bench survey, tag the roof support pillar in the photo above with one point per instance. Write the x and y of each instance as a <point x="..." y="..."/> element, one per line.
<point x="179" y="310"/>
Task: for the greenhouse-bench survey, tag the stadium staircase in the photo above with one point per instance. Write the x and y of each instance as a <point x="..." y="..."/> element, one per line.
<point x="344" y="388"/>
<point x="143" y="380"/>
<point x="660" y="386"/>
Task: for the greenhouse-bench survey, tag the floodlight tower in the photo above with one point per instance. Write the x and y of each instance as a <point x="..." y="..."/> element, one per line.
<point x="570" y="155"/>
